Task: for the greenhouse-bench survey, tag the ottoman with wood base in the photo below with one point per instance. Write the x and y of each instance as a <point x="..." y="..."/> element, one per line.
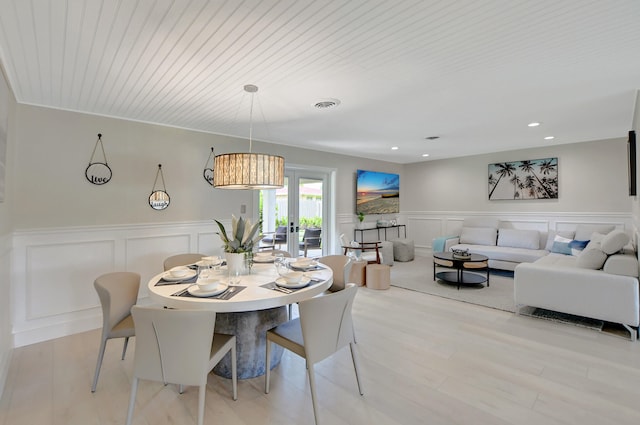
<point x="378" y="276"/>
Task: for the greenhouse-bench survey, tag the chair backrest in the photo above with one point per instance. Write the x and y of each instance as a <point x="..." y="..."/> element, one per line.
<point x="312" y="237"/>
<point x="281" y="234"/>
<point x="341" y="267"/>
<point x="326" y="323"/>
<point x="181" y="260"/>
<point x="173" y="346"/>
<point x="344" y="240"/>
<point x="118" y="292"/>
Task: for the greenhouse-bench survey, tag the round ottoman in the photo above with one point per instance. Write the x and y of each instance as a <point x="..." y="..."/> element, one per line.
<point x="378" y="276"/>
<point x="403" y="249"/>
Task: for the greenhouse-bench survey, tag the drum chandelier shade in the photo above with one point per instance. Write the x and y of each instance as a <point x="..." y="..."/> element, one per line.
<point x="248" y="170"/>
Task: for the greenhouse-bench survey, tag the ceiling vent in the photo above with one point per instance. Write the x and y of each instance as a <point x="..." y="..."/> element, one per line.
<point x="326" y="103"/>
<point x="432" y="138"/>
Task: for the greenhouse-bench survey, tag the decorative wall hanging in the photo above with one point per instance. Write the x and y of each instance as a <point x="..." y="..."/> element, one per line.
<point x="98" y="172"/>
<point x="208" y="172"/>
<point x="159" y="199"/>
<point x="530" y="179"/>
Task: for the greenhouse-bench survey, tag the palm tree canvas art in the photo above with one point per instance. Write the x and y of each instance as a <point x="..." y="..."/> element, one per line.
<point x="530" y="179"/>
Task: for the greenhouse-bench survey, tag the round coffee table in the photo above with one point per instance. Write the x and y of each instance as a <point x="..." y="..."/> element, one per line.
<point x="461" y="275"/>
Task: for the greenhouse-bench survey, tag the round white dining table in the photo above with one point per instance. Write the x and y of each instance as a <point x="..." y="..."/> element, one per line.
<point x="248" y="314"/>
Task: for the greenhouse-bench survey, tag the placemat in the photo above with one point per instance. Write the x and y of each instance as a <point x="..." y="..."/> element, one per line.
<point x="231" y="292"/>
<point x="163" y="282"/>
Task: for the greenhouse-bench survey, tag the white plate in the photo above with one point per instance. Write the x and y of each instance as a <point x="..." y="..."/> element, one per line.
<point x="263" y="259"/>
<point x="197" y="292"/>
<point x="304" y="265"/>
<point x="303" y="282"/>
<point x="167" y="276"/>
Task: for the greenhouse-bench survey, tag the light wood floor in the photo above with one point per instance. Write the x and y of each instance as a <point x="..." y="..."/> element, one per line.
<point x="424" y="360"/>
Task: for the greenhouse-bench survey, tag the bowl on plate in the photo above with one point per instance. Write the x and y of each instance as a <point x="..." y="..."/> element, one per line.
<point x="291" y="277"/>
<point x="178" y="272"/>
<point x="208" y="282"/>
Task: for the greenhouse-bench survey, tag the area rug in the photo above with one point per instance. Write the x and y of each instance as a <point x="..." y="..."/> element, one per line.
<point x="417" y="275"/>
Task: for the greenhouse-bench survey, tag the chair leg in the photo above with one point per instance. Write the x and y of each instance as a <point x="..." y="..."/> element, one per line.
<point x="355" y="367"/>
<point x="267" y="366"/>
<point x="201" y="393"/>
<point x="234" y="371"/>
<point x="132" y="400"/>
<point x="103" y="345"/>
<point x="124" y="349"/>
<point x="312" y="385"/>
<point x="180" y="388"/>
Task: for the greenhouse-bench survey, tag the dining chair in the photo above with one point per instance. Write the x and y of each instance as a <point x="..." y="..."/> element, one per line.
<point x="341" y="267"/>
<point x="285" y="254"/>
<point x="181" y="260"/>
<point x="324" y="327"/>
<point x="311" y="239"/>
<point x="118" y="292"/>
<point x="179" y="346"/>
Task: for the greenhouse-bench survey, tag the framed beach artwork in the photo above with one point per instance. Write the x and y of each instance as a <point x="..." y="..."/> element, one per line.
<point x="377" y="193"/>
<point x="529" y="179"/>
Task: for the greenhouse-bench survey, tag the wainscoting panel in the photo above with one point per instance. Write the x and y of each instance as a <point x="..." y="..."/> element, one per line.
<point x="423" y="229"/>
<point x="53" y="271"/>
<point x="51" y="274"/>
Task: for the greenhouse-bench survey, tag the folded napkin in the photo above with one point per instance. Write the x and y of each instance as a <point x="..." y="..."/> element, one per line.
<point x="163" y="282"/>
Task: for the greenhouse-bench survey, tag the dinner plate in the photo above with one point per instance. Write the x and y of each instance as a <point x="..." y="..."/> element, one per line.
<point x="197" y="292"/>
<point x="303" y="282"/>
<point x="263" y="258"/>
<point x="167" y="276"/>
<point x="301" y="265"/>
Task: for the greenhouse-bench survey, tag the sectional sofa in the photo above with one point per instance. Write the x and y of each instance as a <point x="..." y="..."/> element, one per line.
<point x="590" y="272"/>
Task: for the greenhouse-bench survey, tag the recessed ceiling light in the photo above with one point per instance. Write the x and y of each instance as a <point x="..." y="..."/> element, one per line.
<point x="533" y="124"/>
<point x="425" y="155"/>
<point x="326" y="103"/>
<point x="395" y="148"/>
<point x="549" y="138"/>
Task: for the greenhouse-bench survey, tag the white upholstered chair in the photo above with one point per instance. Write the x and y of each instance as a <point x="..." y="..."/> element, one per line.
<point x="118" y="292"/>
<point x="181" y="260"/>
<point x="341" y="267"/>
<point x="178" y="347"/>
<point x="324" y="327"/>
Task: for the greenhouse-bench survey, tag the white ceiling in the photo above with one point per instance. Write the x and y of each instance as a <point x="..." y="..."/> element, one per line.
<point x="473" y="72"/>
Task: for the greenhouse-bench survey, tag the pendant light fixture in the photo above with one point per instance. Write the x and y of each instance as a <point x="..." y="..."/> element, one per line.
<point x="248" y="170"/>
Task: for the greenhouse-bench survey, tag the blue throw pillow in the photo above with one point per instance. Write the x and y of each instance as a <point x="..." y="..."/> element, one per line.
<point x="561" y="245"/>
<point x="577" y="246"/>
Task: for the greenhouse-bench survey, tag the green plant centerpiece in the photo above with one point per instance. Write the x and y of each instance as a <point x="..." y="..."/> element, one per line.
<point x="244" y="236"/>
<point x="360" y="216"/>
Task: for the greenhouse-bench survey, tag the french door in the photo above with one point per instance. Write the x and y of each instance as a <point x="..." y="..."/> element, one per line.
<point x="302" y="206"/>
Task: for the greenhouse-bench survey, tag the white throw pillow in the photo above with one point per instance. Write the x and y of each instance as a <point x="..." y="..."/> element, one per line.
<point x="516" y="238"/>
<point x="478" y="236"/>
<point x="592" y="257"/>
<point x="614" y="241"/>
<point x="552" y="235"/>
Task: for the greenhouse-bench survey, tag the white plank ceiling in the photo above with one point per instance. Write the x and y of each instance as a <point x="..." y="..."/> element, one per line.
<point x="473" y="72"/>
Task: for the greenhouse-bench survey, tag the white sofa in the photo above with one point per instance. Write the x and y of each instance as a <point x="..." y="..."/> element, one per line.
<point x="601" y="282"/>
<point x="505" y="247"/>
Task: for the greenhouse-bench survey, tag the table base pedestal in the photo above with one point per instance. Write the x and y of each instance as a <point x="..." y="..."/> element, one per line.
<point x="250" y="330"/>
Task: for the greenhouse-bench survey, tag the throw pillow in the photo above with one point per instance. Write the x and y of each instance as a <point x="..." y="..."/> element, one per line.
<point x="592" y="257"/>
<point x="516" y="238"/>
<point x="577" y="247"/>
<point x="561" y="245"/>
<point x="614" y="241"/>
<point x="552" y="234"/>
<point x="479" y="236"/>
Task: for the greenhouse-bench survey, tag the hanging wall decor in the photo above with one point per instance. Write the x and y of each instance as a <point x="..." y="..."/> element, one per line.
<point x="529" y="179"/>
<point x="159" y="199"/>
<point x="208" y="171"/>
<point x="98" y="172"/>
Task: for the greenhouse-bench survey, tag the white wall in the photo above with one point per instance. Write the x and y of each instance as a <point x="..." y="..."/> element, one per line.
<point x="6" y="228"/>
<point x="592" y="188"/>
